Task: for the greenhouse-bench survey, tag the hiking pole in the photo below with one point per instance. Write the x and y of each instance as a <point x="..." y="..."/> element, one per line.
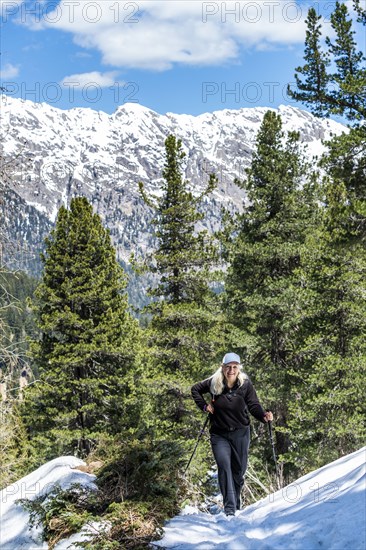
<point x="274" y="452"/>
<point x="198" y="440"/>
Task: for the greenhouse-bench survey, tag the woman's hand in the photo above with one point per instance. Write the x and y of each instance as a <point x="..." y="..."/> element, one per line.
<point x="268" y="417"/>
<point x="210" y="408"/>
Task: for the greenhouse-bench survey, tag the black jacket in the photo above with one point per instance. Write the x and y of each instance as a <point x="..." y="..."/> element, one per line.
<point x="231" y="407"/>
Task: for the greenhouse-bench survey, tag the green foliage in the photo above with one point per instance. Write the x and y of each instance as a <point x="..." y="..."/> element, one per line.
<point x="183" y="257"/>
<point x="141" y="488"/>
<point x="264" y="294"/>
<point x="335" y="79"/>
<point x="14" y="447"/>
<point x="185" y="316"/>
<point x="184" y="333"/>
<point x="184" y="338"/>
<point x="295" y="290"/>
<point x="327" y="414"/>
<point x="330" y="402"/>
<point x="361" y="12"/>
<point x="345" y="163"/>
<point x="314" y="88"/>
<point x="88" y="347"/>
<point x="140" y="469"/>
<point x="15" y="324"/>
<point x="15" y="289"/>
<point x="137" y="490"/>
<point x="61" y="512"/>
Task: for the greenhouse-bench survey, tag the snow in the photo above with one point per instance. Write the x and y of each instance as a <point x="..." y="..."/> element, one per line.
<point x="91" y="528"/>
<point x="64" y="145"/>
<point x="325" y="509"/>
<point x="56" y="154"/>
<point x="14" y="530"/>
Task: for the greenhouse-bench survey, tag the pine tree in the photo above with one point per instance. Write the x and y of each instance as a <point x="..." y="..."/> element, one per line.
<point x="184" y="312"/>
<point x="350" y="75"/>
<point x="345" y="164"/>
<point x="340" y="92"/>
<point x="86" y="352"/>
<point x="314" y="90"/>
<point x="330" y="405"/>
<point x="334" y="353"/>
<point x="264" y="290"/>
<point x="183" y="257"/>
<point x="183" y="262"/>
<point x="327" y="418"/>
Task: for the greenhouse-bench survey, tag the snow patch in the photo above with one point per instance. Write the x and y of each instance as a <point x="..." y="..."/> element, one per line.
<point x="14" y="530"/>
<point x="325" y="509"/>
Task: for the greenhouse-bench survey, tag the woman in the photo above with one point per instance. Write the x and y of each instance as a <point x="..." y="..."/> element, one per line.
<point x="232" y="394"/>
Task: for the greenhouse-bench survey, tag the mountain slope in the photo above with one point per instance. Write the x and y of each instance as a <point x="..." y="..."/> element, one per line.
<point x="52" y="155"/>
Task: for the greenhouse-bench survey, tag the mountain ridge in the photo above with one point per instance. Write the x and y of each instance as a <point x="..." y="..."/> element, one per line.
<point x="56" y="154"/>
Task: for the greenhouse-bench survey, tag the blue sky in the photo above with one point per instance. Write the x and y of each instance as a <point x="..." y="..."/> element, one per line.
<point x="187" y="56"/>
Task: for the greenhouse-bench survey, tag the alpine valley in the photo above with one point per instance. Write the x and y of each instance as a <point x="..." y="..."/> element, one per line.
<point x="49" y="155"/>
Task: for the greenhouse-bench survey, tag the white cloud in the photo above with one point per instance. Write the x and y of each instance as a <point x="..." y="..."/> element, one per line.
<point x="9" y="71"/>
<point x="103" y="80"/>
<point x="155" y="34"/>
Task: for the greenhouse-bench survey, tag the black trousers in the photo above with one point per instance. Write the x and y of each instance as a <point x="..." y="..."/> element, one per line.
<point x="231" y="454"/>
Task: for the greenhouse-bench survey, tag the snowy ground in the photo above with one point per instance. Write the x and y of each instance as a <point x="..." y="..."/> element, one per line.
<point x="14" y="530"/>
<point x="324" y="510"/>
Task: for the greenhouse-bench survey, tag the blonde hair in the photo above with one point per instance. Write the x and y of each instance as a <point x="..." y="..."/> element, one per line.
<point x="218" y="379"/>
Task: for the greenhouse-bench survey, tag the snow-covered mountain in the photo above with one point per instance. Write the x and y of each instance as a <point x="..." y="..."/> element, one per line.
<point x="324" y="510"/>
<point x="51" y="155"/>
